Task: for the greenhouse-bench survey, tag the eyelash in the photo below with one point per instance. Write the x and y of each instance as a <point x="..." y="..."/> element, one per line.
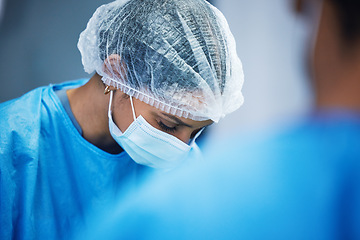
<point x="166" y="128"/>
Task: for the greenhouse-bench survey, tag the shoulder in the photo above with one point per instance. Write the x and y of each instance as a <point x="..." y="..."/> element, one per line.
<point x="26" y="107"/>
<point x="309" y="137"/>
<point x="19" y="121"/>
<point x="17" y="112"/>
<point x="310" y="149"/>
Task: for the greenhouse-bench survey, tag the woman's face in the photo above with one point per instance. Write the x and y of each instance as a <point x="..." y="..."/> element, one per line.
<point x="182" y="128"/>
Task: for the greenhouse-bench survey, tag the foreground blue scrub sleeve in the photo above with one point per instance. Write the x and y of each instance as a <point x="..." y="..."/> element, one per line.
<point x="50" y="176"/>
<point x="300" y="183"/>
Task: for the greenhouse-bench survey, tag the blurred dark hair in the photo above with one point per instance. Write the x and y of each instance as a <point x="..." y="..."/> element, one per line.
<point x="349" y="17"/>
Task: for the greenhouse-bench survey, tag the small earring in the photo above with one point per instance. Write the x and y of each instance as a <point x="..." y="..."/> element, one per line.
<point x="107" y="90"/>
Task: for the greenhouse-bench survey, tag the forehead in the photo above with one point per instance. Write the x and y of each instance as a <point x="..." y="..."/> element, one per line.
<point x="143" y="107"/>
<point x="187" y="121"/>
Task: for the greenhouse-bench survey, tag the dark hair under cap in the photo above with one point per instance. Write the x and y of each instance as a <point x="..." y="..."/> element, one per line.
<point x="349" y="17"/>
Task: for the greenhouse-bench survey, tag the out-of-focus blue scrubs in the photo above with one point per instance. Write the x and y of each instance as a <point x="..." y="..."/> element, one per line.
<point x="302" y="182"/>
<point x="50" y="175"/>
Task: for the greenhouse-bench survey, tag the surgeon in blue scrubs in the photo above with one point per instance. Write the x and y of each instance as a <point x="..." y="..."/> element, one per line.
<point x="164" y="70"/>
<point x="298" y="182"/>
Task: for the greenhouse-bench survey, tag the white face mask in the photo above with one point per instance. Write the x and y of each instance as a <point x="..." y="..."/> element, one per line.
<point x="147" y="145"/>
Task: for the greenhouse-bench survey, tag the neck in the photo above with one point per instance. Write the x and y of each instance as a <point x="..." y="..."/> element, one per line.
<point x="342" y="88"/>
<point x="89" y="105"/>
<point x="335" y="64"/>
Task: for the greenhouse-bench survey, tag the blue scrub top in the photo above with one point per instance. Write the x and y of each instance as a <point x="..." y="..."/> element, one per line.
<point x="50" y="176"/>
<point x="300" y="182"/>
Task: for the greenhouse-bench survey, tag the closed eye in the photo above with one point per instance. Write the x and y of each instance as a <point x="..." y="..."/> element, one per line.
<point x="166" y="128"/>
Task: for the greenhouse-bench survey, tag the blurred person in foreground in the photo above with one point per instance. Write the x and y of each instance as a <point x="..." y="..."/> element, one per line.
<point x="163" y="71"/>
<point x="2" y="7"/>
<point x="299" y="182"/>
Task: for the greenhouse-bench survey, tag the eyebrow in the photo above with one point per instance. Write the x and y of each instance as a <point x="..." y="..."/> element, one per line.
<point x="178" y="121"/>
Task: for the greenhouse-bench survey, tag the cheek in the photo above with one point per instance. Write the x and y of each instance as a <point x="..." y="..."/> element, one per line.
<point x="183" y="135"/>
<point x="122" y="121"/>
<point x="149" y="118"/>
<point x="194" y="133"/>
<point x="326" y="51"/>
<point x="186" y="134"/>
<point x="122" y="114"/>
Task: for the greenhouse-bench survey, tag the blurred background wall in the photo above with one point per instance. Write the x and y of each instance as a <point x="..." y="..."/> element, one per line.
<point x="273" y="47"/>
<point x="38" y="41"/>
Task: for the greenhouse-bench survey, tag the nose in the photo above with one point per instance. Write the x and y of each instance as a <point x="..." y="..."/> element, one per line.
<point x="184" y="135"/>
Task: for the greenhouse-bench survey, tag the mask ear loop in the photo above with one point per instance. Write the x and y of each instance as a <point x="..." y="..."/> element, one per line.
<point x="110" y="102"/>
<point x="320" y="11"/>
<point x="132" y="107"/>
<point x="196" y="136"/>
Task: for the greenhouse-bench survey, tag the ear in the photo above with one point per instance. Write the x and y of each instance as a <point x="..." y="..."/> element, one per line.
<point x="115" y="68"/>
<point x="109" y="88"/>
